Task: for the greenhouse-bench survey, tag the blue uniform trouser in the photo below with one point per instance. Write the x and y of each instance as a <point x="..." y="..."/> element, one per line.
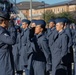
<point x="30" y="65"/>
<point x="75" y="68"/>
<point x="39" y="68"/>
<point x="69" y="65"/>
<point x="69" y="69"/>
<point x="75" y="61"/>
<point x="27" y="71"/>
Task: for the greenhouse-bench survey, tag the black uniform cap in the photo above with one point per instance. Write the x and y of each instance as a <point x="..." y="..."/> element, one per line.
<point x="5" y="15"/>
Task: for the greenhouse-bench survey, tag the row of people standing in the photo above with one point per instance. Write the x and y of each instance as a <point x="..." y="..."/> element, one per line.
<point x="61" y="46"/>
<point x="39" y="48"/>
<point x="27" y="50"/>
<point x="36" y="49"/>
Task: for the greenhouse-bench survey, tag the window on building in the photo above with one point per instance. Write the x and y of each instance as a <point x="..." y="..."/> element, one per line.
<point x="58" y="9"/>
<point x="20" y="3"/>
<point x="51" y="10"/>
<point x="54" y="10"/>
<point x="26" y="11"/>
<point x="37" y="12"/>
<point x="40" y="11"/>
<point x="62" y="9"/>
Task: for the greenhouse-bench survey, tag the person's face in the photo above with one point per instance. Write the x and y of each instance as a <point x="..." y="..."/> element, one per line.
<point x="24" y="25"/>
<point x="33" y="25"/>
<point x="59" y="27"/>
<point x="5" y="23"/>
<point x="51" y="24"/>
<point x="38" y="29"/>
<point x="71" y="27"/>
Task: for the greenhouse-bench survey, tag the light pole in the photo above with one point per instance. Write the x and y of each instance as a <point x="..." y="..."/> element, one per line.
<point x="44" y="8"/>
<point x="15" y="2"/>
<point x="30" y="9"/>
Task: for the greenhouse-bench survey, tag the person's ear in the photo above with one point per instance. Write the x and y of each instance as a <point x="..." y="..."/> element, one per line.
<point x="41" y="29"/>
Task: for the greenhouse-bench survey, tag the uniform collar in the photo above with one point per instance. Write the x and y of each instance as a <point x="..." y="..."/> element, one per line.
<point x="51" y="31"/>
<point x="26" y="29"/>
<point x="39" y="35"/>
<point x="66" y="28"/>
<point x="53" y="28"/>
<point x="60" y="33"/>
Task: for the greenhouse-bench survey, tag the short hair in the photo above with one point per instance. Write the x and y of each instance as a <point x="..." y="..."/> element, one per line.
<point x="43" y="27"/>
<point x="62" y="23"/>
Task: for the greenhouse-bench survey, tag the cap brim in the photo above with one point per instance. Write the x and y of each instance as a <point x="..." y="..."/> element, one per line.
<point x="5" y="18"/>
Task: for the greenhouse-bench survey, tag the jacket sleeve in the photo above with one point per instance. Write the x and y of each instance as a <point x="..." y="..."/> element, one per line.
<point x="47" y="54"/>
<point x="46" y="50"/>
<point x="68" y="32"/>
<point x="64" y="46"/>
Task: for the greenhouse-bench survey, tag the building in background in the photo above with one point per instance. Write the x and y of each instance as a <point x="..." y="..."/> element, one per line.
<point x="41" y="7"/>
<point x="24" y="7"/>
